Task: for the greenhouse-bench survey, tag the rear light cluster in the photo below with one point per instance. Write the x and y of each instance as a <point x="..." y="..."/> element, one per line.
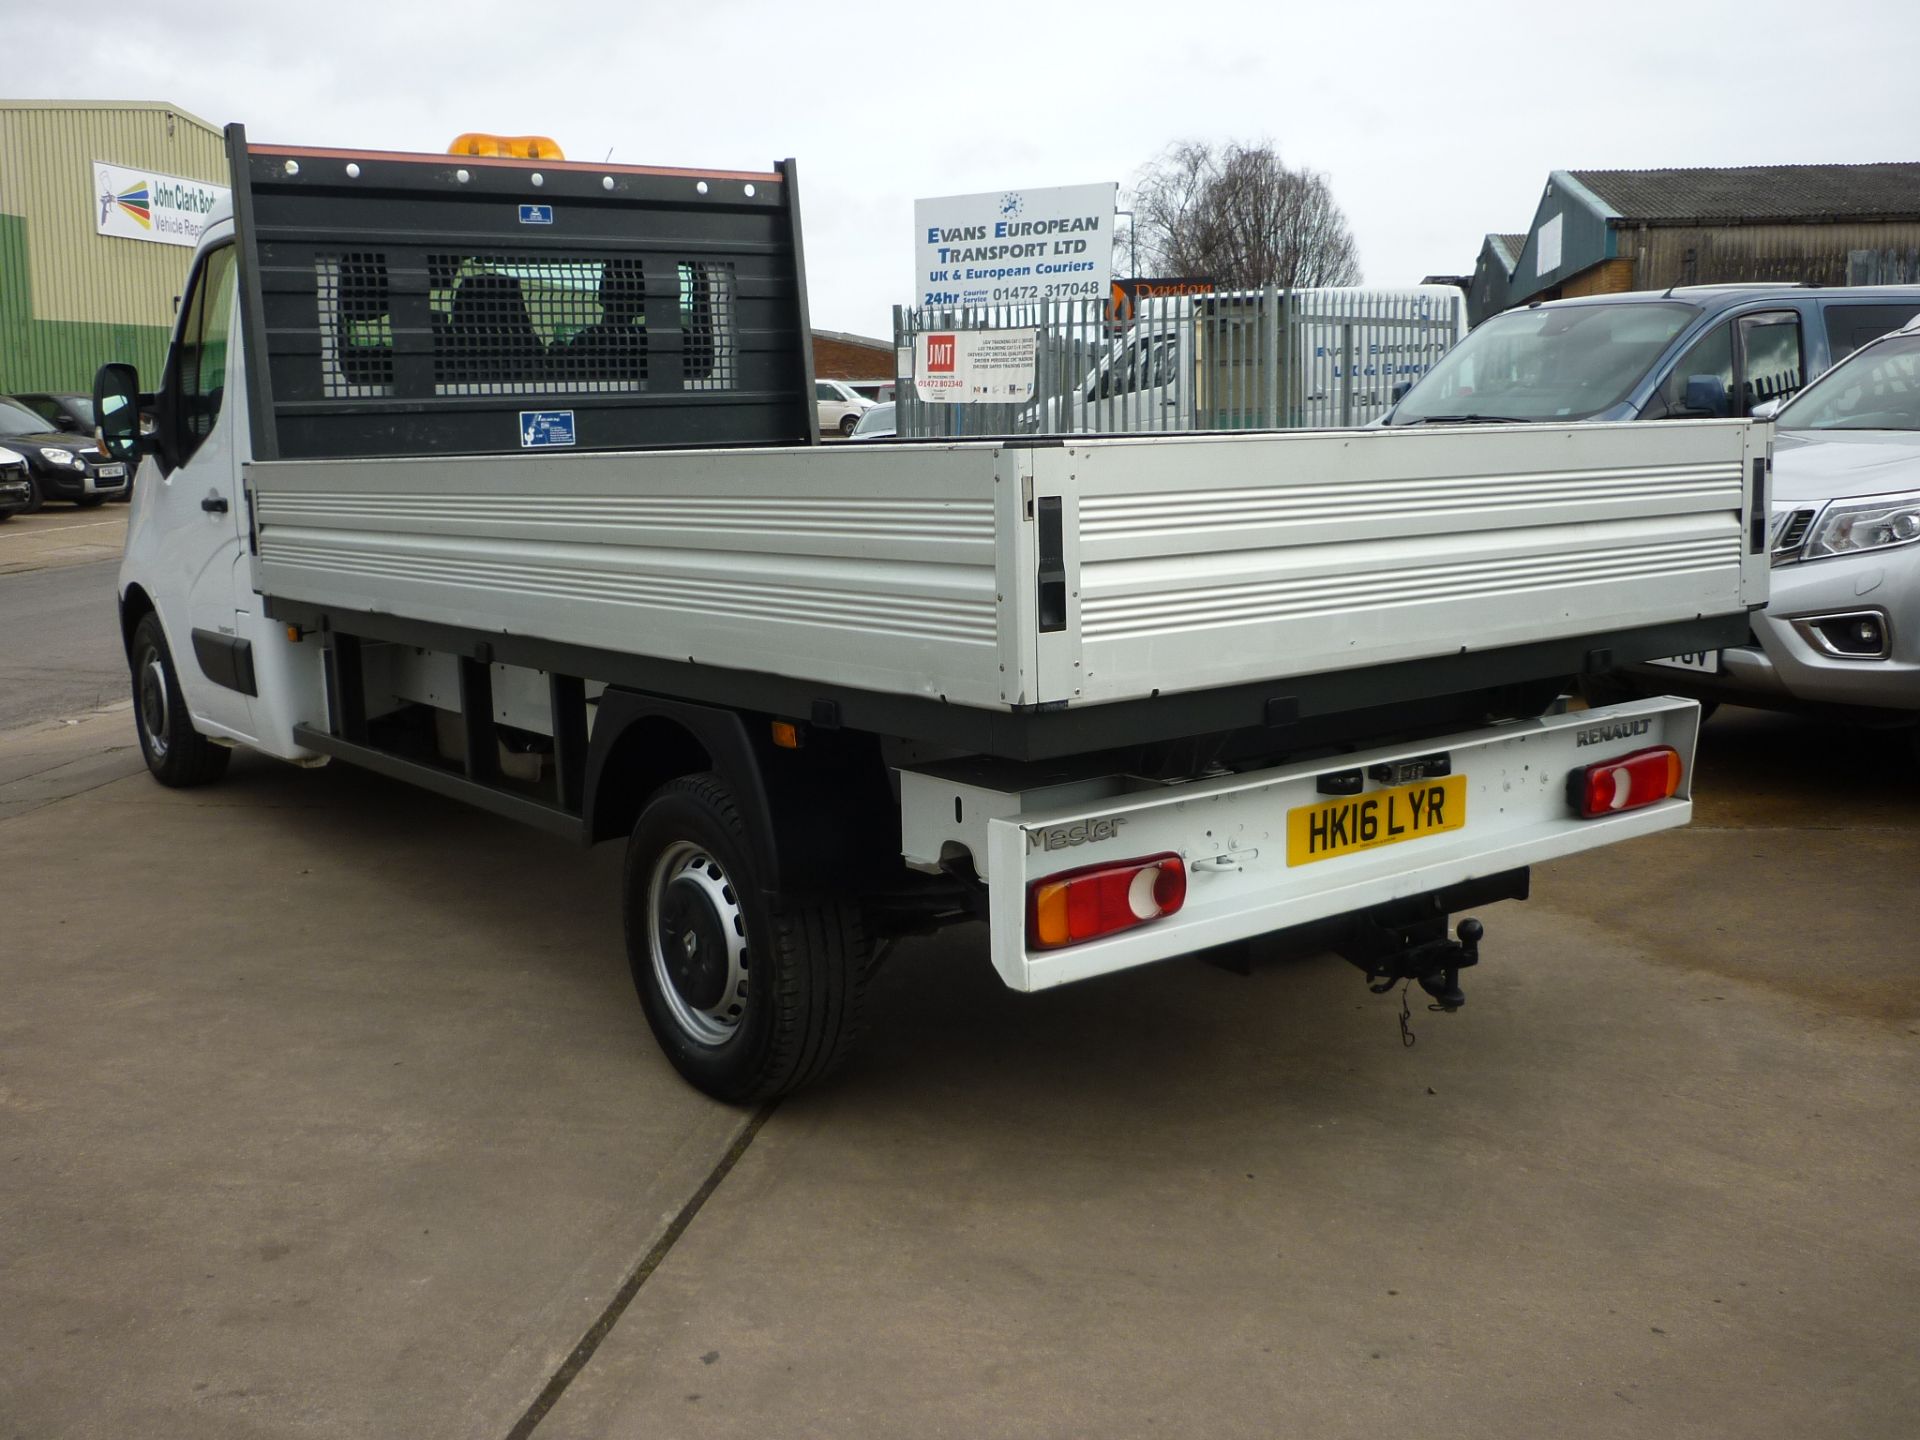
<point x="1097" y="900"/>
<point x="1628" y="783"/>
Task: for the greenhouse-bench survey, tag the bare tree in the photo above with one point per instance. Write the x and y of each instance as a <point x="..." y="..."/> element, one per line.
<point x="1240" y="216"/>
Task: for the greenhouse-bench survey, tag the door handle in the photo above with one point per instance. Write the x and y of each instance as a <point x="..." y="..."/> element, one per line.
<point x="214" y="504"/>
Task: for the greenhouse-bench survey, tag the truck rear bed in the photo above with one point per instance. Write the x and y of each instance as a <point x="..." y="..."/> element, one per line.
<point x="1018" y="578"/>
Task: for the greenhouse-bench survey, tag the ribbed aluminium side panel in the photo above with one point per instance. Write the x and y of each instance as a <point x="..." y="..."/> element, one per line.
<point x="70" y="298"/>
<point x="1221" y="560"/>
<point x="866" y="567"/>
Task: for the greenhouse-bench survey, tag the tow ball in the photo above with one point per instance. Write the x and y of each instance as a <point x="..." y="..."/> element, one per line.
<point x="1436" y="963"/>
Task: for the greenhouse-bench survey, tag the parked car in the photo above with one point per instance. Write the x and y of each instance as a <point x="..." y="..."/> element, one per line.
<point x="1841" y="631"/>
<point x="1690" y="352"/>
<point x="876" y="424"/>
<point x="60" y="465"/>
<point x="72" y="414"/>
<point x="16" y="490"/>
<point x="840" y="408"/>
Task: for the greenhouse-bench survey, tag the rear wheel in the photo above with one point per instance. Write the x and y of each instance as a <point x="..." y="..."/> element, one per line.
<point x="176" y="753"/>
<point x="847" y="422"/>
<point x="749" y="995"/>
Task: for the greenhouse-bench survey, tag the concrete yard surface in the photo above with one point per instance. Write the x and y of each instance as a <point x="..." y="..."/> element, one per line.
<point x="326" y="1109"/>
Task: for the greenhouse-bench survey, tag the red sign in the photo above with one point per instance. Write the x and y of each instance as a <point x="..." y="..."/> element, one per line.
<point x="940" y="353"/>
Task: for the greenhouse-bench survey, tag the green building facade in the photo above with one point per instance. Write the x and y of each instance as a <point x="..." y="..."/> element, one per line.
<point x="72" y="297"/>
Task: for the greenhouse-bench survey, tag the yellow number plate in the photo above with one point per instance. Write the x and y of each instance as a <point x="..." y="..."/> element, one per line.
<point x="1381" y="817"/>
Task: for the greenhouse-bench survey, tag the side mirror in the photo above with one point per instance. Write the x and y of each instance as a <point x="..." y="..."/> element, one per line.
<point x="1706" y="395"/>
<point x="1400" y="391"/>
<point x="1767" y="409"/>
<point x="116" y="409"/>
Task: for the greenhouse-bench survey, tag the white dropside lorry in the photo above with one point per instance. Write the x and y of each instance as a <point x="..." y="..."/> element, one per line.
<point x="502" y="477"/>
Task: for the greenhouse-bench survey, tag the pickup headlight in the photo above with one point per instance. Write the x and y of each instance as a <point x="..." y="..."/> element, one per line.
<point x="60" y="457"/>
<point x="1875" y="522"/>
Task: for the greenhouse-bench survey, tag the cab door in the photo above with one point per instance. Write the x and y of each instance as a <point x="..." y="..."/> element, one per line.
<point x="194" y="525"/>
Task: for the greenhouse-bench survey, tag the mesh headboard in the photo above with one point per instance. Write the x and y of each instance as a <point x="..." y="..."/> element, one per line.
<point x="438" y="304"/>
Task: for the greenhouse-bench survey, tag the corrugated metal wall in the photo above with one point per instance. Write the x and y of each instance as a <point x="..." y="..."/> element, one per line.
<point x="71" y="298"/>
<point x="1815" y="253"/>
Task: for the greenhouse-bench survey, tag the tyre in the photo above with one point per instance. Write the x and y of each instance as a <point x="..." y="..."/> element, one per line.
<point x="90" y="502"/>
<point x="36" y="498"/>
<point x="847" y="422"/>
<point x="750" y="996"/>
<point x="176" y="753"/>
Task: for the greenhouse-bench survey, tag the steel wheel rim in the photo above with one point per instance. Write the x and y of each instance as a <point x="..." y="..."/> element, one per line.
<point x="697" y="941"/>
<point x="155" y="715"/>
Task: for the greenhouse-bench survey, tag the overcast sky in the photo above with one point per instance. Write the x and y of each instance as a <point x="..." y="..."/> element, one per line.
<point x="1435" y="123"/>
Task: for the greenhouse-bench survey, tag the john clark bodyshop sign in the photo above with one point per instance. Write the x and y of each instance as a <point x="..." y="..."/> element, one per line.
<point x="146" y="205"/>
<point x="1016" y="246"/>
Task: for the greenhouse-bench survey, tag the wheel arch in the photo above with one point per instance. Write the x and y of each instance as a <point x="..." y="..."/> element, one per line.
<point x="820" y="818"/>
<point x="641" y="742"/>
<point x="135" y="605"/>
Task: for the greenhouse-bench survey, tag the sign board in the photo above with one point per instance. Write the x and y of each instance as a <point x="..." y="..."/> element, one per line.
<point x="545" y="429"/>
<point x="1126" y="293"/>
<point x="1015" y="246"/>
<point x="146" y="205"/>
<point x="974" y="367"/>
<point x="1546" y="257"/>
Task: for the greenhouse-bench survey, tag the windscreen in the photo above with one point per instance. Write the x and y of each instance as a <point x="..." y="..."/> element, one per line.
<point x="18" y="420"/>
<point x="1564" y="363"/>
<point x="1874" y="389"/>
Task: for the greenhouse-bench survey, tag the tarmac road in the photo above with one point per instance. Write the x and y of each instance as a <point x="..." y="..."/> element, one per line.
<point x="326" y="1110"/>
<point x="59" y="642"/>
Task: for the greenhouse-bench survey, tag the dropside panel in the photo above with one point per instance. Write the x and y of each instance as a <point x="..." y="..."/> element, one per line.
<point x="1212" y="561"/>
<point x="867" y="568"/>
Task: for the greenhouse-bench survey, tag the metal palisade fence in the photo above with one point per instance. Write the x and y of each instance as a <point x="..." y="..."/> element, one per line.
<point x="1231" y="360"/>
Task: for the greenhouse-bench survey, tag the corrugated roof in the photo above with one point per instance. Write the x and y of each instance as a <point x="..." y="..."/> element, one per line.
<point x="1759" y="192"/>
<point x="1508" y="246"/>
<point x="845" y="338"/>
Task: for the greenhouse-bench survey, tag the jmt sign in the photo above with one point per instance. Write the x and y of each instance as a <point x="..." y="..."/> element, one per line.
<point x="974" y="367"/>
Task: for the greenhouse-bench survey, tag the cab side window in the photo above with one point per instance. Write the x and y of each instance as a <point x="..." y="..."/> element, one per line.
<point x="1710" y="358"/>
<point x="1770" y="351"/>
<point x="1851" y="326"/>
<point x="197" y="385"/>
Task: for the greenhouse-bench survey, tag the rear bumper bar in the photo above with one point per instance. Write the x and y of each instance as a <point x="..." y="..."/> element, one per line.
<point x="1232" y="832"/>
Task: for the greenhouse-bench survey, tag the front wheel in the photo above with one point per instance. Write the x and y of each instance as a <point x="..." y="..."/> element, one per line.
<point x="36" y="496"/>
<point x="176" y="753"/>
<point x="749" y="995"/>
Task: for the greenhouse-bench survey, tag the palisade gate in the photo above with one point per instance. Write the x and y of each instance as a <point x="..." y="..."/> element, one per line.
<point x="1231" y="360"/>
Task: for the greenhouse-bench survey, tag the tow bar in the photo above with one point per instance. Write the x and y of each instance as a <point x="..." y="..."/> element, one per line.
<point x="1435" y="963"/>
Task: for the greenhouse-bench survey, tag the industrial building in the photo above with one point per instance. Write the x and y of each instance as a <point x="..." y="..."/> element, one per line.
<point x="1492" y="274"/>
<point x="100" y="205"/>
<point x="1599" y="232"/>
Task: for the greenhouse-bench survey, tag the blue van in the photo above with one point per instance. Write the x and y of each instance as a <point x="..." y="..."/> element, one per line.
<point x="1692" y="352"/>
